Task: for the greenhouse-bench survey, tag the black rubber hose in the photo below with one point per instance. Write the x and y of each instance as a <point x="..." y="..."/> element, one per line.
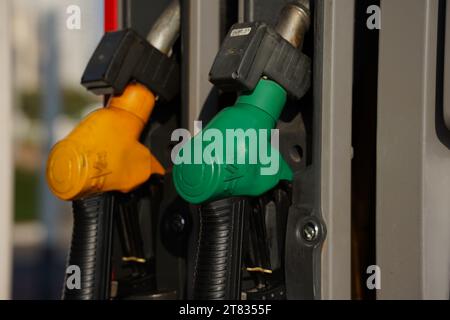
<point x="90" y="249"/>
<point x="217" y="269"/>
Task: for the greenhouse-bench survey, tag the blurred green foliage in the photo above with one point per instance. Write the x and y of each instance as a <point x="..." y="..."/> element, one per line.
<point x="73" y="102"/>
<point x="25" y="195"/>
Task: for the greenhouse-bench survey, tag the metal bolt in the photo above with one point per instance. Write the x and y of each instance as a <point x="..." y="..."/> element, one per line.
<point x="178" y="223"/>
<point x="310" y="231"/>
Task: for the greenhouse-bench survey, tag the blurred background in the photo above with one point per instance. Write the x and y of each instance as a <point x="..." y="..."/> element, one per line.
<point x="43" y="53"/>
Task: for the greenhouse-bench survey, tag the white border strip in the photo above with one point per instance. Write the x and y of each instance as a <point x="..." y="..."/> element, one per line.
<point x="6" y="168"/>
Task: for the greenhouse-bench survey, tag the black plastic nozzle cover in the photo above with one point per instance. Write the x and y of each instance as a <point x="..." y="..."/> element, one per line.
<point x="123" y="56"/>
<point x="253" y="50"/>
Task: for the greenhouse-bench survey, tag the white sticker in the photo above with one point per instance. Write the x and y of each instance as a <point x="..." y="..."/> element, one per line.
<point x="240" y="32"/>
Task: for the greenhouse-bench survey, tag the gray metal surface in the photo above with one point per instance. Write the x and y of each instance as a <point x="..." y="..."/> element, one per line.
<point x="6" y="165"/>
<point x="201" y="42"/>
<point x="260" y="10"/>
<point x="333" y="74"/>
<point x="413" y="166"/>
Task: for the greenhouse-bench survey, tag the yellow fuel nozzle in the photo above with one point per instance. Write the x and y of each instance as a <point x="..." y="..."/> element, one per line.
<point x="103" y="152"/>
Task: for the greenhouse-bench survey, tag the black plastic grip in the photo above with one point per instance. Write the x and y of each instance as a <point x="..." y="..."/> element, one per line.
<point x="252" y="50"/>
<point x="90" y="249"/>
<point x="123" y="56"/>
<point x="217" y="269"/>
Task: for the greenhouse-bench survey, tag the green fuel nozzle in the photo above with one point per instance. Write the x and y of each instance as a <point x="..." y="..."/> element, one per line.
<point x="244" y="163"/>
<point x="251" y="54"/>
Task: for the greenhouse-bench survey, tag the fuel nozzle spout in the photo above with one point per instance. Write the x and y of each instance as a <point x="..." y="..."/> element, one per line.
<point x="166" y="29"/>
<point x="294" y="22"/>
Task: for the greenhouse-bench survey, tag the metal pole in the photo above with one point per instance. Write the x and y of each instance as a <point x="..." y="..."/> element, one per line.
<point x="49" y="206"/>
<point x="51" y="105"/>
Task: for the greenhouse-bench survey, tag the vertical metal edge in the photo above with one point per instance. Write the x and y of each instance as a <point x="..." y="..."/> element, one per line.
<point x="241" y="11"/>
<point x="446" y="88"/>
<point x="122" y="6"/>
<point x="185" y="49"/>
<point x="6" y="167"/>
<point x="333" y="76"/>
<point x="200" y="42"/>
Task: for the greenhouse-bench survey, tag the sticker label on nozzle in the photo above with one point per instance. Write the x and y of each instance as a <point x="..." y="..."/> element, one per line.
<point x="240" y="32"/>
